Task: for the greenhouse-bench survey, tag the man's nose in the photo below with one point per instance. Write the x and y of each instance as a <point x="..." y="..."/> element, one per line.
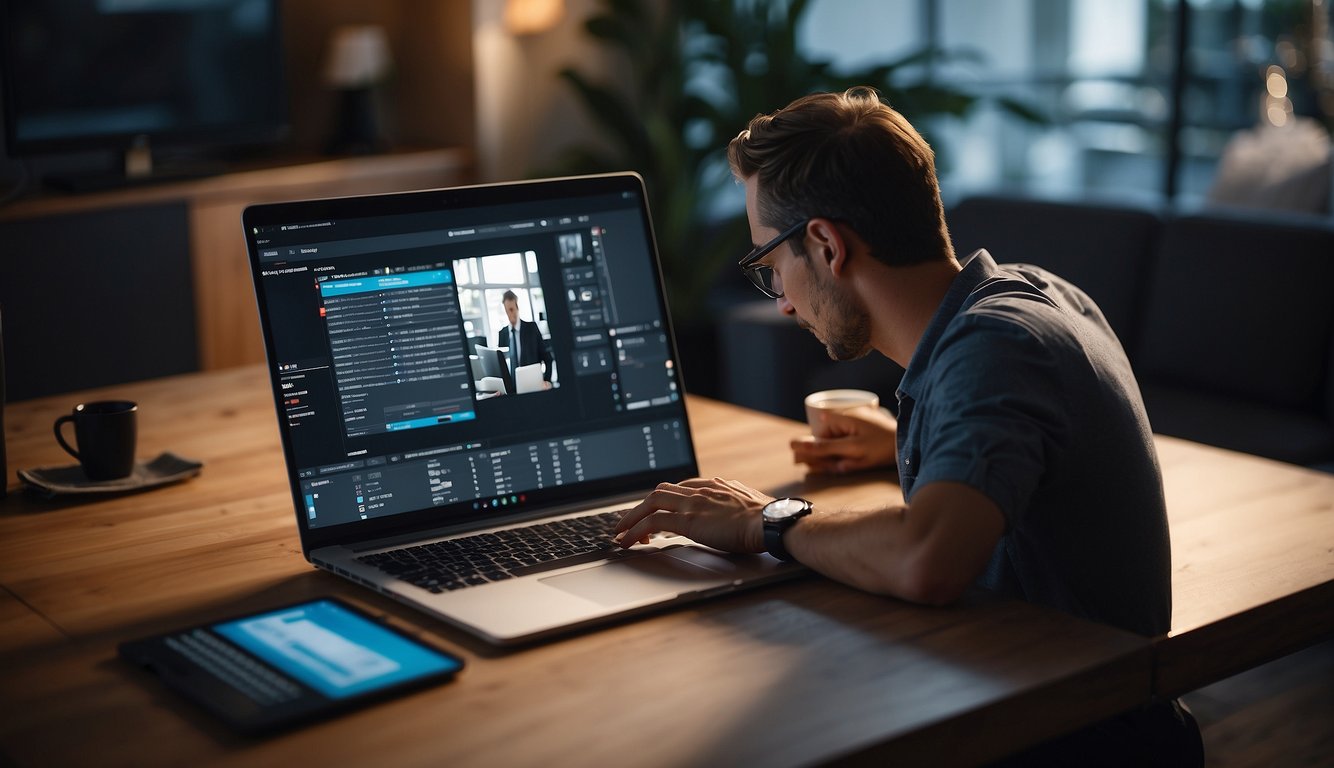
<point x="785" y="306"/>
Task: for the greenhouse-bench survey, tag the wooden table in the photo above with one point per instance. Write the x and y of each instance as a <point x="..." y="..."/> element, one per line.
<point x="1252" y="562"/>
<point x="792" y="674"/>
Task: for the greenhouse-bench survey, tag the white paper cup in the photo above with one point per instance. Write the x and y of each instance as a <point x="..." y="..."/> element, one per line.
<point x="830" y="400"/>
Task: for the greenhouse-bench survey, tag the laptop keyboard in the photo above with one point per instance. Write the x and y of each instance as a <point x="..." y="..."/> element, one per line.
<point x="487" y="557"/>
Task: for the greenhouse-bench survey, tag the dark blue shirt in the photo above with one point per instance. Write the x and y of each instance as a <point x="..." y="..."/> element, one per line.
<point x="1020" y="389"/>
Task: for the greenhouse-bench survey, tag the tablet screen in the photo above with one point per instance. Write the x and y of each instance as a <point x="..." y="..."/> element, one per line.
<point x="333" y="650"/>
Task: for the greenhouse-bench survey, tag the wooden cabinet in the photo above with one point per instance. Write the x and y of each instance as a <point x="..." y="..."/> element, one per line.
<point x="226" y="322"/>
<point x="226" y="316"/>
<point x="96" y="296"/>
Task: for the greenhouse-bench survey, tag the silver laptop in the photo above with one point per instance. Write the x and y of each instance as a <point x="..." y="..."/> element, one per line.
<point x="487" y="508"/>
<point x="528" y="378"/>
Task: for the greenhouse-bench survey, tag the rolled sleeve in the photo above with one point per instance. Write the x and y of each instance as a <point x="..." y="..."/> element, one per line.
<point x="994" y="412"/>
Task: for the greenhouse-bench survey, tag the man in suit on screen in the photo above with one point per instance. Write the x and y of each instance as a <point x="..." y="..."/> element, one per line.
<point x="524" y="340"/>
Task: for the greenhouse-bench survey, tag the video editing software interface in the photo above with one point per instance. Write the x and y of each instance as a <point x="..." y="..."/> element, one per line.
<point x="397" y="392"/>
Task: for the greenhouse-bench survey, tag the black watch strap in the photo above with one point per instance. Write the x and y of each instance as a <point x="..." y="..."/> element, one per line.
<point x="773" y="540"/>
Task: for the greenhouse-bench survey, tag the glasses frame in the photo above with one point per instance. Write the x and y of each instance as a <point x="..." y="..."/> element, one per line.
<point x="751" y="267"/>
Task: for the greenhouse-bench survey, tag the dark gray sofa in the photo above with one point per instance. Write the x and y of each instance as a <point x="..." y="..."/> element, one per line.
<point x="1228" y="318"/>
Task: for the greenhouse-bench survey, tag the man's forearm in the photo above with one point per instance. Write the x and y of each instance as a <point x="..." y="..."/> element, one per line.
<point x="927" y="552"/>
<point x="867" y="549"/>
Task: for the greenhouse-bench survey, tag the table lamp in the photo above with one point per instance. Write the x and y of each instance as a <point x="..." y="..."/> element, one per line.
<point x="358" y="62"/>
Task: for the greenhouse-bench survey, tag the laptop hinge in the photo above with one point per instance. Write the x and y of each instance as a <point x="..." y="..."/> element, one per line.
<point x="496" y="522"/>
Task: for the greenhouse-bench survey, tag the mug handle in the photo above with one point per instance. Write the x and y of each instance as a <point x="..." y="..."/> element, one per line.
<point x="61" y="438"/>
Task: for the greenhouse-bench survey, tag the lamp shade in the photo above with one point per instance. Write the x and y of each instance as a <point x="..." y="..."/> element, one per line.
<point x="530" y="17"/>
<point x="358" y="56"/>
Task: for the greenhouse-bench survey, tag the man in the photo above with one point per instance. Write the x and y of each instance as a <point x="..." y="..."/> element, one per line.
<point x="524" y="340"/>
<point x="1022" y="444"/>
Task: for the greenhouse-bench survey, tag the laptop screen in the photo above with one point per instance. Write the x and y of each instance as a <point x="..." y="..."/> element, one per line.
<point x="463" y="355"/>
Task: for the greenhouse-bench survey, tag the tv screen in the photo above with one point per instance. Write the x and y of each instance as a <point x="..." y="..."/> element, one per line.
<point x="99" y="74"/>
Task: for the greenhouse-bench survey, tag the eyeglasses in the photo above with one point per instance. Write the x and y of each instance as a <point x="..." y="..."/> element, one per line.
<point x="762" y="275"/>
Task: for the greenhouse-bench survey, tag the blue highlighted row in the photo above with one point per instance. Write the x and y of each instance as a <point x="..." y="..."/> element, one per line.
<point x="386" y="282"/>
<point x="430" y="421"/>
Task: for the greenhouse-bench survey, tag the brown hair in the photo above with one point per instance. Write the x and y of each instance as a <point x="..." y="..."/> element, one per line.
<point x="851" y="158"/>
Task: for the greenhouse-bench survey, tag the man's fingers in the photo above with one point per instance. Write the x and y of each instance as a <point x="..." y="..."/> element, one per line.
<point x="809" y="447"/>
<point x="812" y="449"/>
<point x="665" y="497"/>
<point x="655" y="522"/>
<point x="699" y="482"/>
<point x="670" y="497"/>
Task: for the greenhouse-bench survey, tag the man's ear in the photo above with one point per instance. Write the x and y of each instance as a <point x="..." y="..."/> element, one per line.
<point x="828" y="245"/>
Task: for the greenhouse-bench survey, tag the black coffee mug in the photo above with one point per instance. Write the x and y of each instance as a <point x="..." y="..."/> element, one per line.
<point x="106" y="431"/>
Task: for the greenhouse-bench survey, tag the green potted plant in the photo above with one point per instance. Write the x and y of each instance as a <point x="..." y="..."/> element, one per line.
<point x="695" y="72"/>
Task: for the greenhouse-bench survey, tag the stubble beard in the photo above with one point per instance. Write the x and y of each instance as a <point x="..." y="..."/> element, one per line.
<point x="847" y="334"/>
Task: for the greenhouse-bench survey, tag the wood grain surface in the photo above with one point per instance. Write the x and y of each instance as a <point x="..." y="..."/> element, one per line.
<point x="1252" y="562"/>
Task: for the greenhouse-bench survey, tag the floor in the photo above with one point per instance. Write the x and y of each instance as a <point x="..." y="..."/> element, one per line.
<point x="1277" y="715"/>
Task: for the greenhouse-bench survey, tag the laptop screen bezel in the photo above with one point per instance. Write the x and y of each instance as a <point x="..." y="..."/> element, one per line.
<point x="256" y="217"/>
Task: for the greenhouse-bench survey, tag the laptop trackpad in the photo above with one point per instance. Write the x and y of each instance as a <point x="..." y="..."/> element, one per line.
<point x="634" y="579"/>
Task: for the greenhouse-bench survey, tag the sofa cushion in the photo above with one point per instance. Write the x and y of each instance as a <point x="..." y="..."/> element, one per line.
<point x="1240" y="425"/>
<point x="1329" y="384"/>
<point x="766" y="357"/>
<point x="1103" y="249"/>
<point x="1241" y="306"/>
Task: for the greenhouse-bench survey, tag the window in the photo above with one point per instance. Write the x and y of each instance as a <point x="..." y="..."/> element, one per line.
<point x="488" y="278"/>
<point x="1105" y="72"/>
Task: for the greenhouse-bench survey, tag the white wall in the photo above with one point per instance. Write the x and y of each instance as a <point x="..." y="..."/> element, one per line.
<point x="525" y="114"/>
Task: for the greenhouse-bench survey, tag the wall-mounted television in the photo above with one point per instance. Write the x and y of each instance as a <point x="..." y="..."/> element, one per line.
<point x="124" y="74"/>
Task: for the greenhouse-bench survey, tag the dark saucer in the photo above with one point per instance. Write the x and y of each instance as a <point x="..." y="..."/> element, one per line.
<point x="69" y="480"/>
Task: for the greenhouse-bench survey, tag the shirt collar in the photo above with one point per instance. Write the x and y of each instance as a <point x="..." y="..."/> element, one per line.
<point x="978" y="268"/>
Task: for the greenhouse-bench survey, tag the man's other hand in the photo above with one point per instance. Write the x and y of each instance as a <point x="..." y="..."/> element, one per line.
<point x="855" y="439"/>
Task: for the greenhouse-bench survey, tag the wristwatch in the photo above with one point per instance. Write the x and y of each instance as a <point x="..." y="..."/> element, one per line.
<point x="779" y="515"/>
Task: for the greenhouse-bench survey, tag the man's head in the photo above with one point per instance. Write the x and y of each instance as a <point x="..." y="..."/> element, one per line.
<point x="850" y="158"/>
<point x="510" y="301"/>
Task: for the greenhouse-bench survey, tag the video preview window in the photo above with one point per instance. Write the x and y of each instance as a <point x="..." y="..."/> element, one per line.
<point x="504" y="313"/>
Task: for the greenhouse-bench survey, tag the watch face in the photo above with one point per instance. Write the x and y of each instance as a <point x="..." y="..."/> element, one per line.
<point x="781" y="509"/>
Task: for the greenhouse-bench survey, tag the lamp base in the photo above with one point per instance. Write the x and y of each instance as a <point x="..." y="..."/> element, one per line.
<point x="356" y="125"/>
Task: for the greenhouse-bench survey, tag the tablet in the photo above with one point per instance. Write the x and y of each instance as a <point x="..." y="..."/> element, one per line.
<point x="277" y="668"/>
